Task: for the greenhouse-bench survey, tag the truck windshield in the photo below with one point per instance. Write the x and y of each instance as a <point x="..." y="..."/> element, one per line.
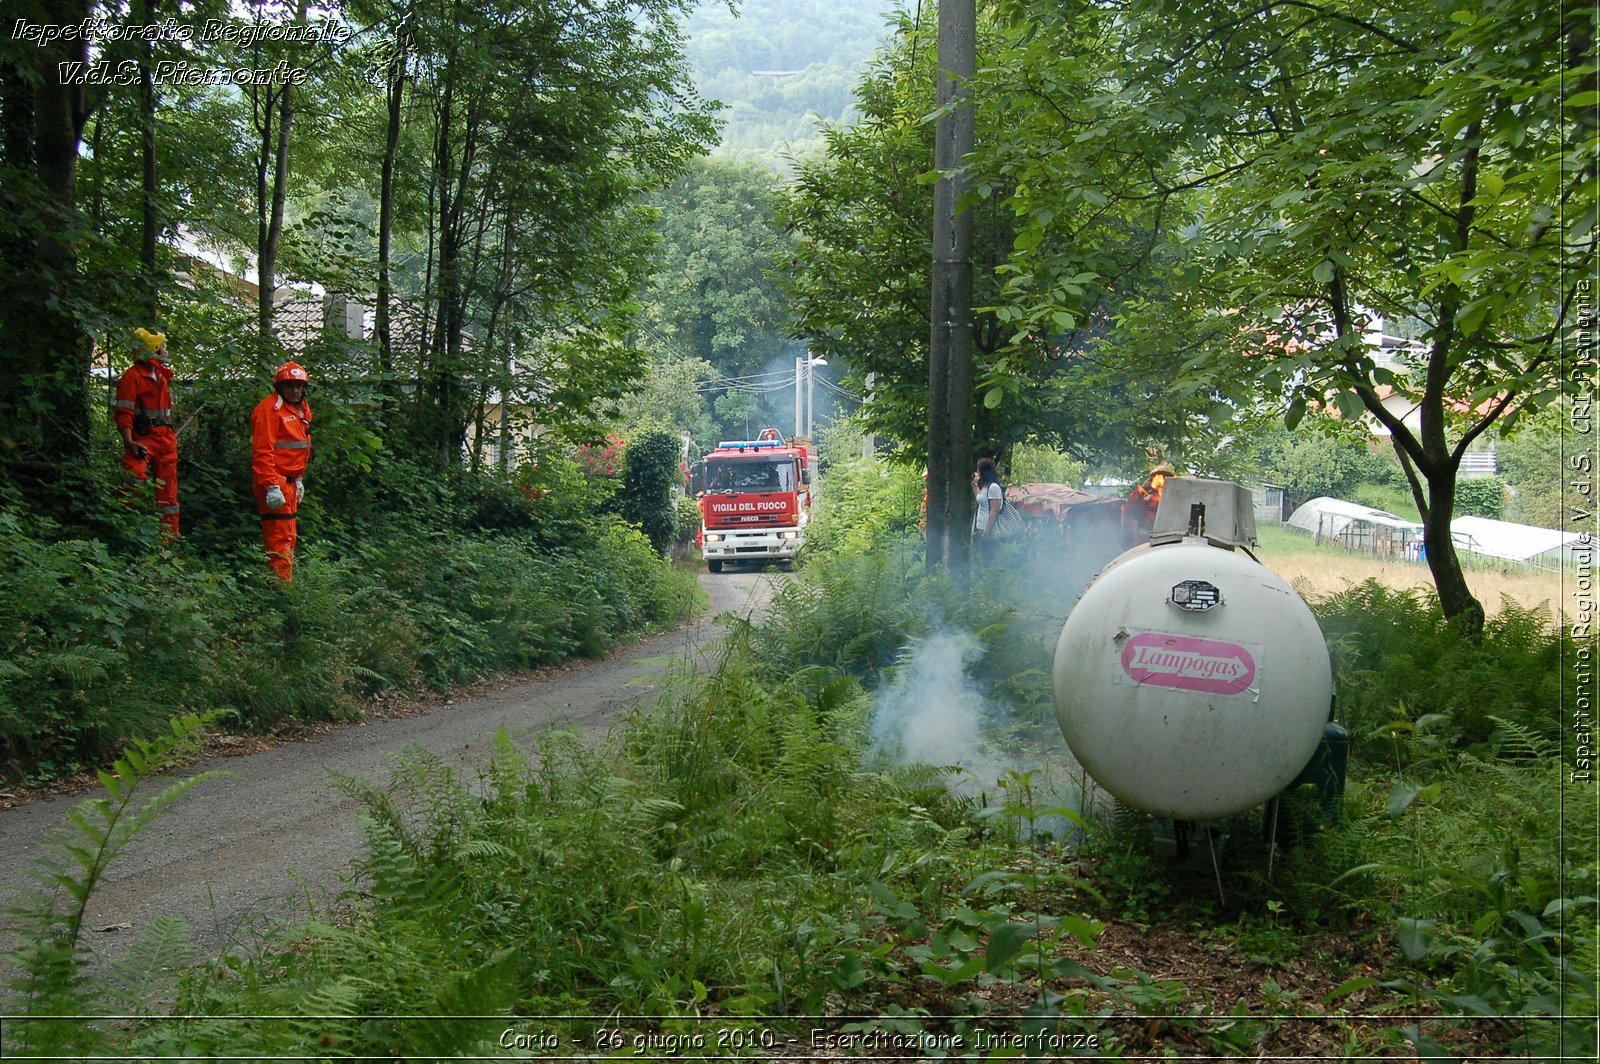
<point x="750" y="476"/>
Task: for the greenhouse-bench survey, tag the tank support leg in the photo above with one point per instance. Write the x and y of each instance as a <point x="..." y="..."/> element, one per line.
<point x="1216" y="869"/>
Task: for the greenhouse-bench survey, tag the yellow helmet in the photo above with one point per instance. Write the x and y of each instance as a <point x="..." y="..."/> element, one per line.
<point x="152" y="340"/>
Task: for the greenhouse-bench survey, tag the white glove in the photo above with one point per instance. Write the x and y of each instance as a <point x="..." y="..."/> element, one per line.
<point x="299" y="493"/>
<point x="275" y="499"/>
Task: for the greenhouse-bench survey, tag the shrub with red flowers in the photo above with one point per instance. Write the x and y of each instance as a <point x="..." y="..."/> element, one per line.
<point x="602" y="461"/>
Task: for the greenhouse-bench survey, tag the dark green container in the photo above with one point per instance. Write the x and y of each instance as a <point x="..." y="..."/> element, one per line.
<point x="1317" y="794"/>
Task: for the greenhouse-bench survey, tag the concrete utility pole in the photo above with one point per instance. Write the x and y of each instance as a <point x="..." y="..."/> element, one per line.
<point x="950" y="339"/>
<point x="811" y="394"/>
<point x="799" y="394"/>
<point x="866" y="444"/>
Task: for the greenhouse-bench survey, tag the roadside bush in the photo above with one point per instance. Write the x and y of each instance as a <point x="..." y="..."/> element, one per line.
<point x="285" y="653"/>
<point x="102" y="647"/>
<point x="686" y="521"/>
<point x="488" y="605"/>
<point x="1481" y="866"/>
<point x="764" y="872"/>
<point x="95" y="650"/>
<point x="864" y="504"/>
<point x="754" y="845"/>
<point x="852" y="612"/>
<point x="650" y="467"/>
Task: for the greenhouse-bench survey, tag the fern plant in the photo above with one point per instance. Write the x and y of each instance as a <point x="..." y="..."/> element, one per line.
<point x="51" y="990"/>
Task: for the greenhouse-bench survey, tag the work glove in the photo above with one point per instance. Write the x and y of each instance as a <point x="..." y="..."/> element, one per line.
<point x="299" y="493"/>
<point x="275" y="499"/>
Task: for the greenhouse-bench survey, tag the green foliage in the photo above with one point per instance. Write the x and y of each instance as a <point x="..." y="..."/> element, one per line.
<point x="779" y="66"/>
<point x="509" y="220"/>
<point x="714" y="299"/>
<point x="764" y="871"/>
<point x="1050" y="278"/>
<point x="650" y="471"/>
<point x="860" y="277"/>
<point x="686" y="520"/>
<point x="1481" y="497"/>
<point x="51" y="962"/>
<point x="1530" y="462"/>
<point x="863" y="505"/>
<point x="852" y="612"/>
<point x="1309" y="463"/>
<point x="1152" y="174"/>
<point x="464" y="608"/>
<point x="98" y="646"/>
<point x="671" y="395"/>
<point x="750" y="829"/>
<point x="106" y="645"/>
<point x="1394" y="651"/>
<point x="1388" y="498"/>
<point x="1031" y="463"/>
<point x="1491" y="870"/>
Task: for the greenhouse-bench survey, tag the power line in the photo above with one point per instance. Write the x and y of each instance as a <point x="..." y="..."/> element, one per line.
<point x="774" y="386"/>
<point x="835" y="388"/>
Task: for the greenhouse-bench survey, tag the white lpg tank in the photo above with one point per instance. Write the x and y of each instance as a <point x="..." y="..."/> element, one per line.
<point x="1191" y="681"/>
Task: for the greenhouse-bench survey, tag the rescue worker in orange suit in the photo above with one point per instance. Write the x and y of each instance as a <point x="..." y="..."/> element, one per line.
<point x="142" y="412"/>
<point x="280" y="447"/>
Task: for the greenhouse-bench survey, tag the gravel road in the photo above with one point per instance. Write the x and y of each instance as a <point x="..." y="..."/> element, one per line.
<point x="254" y="845"/>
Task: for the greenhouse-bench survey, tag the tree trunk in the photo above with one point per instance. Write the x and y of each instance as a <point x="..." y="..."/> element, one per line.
<point x="147" y="131"/>
<point x="1455" y="598"/>
<point x="1433" y="489"/>
<point x="269" y="229"/>
<point x="950" y="337"/>
<point x="55" y="384"/>
<point x="380" y="320"/>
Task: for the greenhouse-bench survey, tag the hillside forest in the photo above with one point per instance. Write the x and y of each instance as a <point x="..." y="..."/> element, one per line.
<point x="534" y="258"/>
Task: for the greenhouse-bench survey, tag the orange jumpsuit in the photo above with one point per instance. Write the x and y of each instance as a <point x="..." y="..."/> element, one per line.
<point x="280" y="447"/>
<point x="144" y="405"/>
<point x="1139" y="511"/>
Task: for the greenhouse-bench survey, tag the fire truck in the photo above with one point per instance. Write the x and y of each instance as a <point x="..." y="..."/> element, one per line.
<point x="754" y="498"/>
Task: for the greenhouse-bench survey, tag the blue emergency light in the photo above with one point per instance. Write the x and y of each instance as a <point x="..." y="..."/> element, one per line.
<point x="729" y="445"/>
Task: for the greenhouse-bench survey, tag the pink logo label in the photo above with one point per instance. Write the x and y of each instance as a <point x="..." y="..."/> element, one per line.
<point x="1188" y="664"/>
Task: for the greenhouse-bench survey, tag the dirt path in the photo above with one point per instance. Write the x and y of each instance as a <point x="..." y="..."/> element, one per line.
<point x="276" y="831"/>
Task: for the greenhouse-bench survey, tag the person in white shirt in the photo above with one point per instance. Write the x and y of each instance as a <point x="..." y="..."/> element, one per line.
<point x="986" y="485"/>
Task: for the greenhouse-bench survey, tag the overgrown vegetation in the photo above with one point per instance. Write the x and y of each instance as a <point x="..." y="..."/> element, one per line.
<point x="736" y="853"/>
<point x="109" y="637"/>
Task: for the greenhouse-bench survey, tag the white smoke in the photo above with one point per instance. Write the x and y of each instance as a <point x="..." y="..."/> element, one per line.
<point x="934" y="714"/>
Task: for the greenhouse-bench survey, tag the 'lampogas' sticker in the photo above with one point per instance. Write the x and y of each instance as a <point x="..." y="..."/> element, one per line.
<point x="1209" y="666"/>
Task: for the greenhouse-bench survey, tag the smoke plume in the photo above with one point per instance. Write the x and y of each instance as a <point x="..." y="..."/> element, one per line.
<point x="934" y="714"/>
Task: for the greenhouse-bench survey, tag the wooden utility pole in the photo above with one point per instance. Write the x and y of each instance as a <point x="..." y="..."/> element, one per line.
<point x="950" y="339"/>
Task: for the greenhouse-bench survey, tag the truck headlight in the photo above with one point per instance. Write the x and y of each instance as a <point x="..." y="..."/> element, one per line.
<point x="788" y="535"/>
<point x="713" y="537"/>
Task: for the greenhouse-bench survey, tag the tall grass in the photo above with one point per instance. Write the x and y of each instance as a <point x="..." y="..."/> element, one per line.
<point x="1317" y="570"/>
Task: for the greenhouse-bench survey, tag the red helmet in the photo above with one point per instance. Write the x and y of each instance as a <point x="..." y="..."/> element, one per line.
<point x="292" y="372"/>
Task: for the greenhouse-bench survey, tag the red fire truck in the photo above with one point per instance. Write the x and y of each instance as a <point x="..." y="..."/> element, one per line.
<point x="755" y="499"/>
